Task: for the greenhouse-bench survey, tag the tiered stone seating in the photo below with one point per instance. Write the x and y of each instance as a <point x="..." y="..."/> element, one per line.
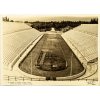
<point x="86" y="43"/>
<point x="10" y="27"/>
<point x="15" y="42"/>
<point x="91" y="29"/>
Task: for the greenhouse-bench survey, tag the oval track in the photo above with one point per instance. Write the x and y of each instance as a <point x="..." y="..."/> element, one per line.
<point x="52" y="44"/>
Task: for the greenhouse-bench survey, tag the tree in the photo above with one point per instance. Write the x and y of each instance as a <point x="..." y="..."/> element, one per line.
<point x="25" y="21"/>
<point x="11" y="21"/>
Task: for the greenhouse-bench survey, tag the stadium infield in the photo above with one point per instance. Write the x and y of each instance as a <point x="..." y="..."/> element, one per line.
<point x="58" y="60"/>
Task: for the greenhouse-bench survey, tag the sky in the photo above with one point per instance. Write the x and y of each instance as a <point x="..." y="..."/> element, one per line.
<point x="46" y="18"/>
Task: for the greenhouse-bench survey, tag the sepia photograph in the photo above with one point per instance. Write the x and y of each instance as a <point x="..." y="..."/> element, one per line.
<point x="49" y="50"/>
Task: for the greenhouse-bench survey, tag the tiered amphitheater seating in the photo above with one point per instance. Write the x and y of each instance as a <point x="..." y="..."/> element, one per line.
<point x="10" y="27"/>
<point x="84" y="38"/>
<point x="15" y="42"/>
<point x="91" y="29"/>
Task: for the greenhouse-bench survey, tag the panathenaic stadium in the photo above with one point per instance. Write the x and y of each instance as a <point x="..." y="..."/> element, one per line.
<point x="31" y="55"/>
